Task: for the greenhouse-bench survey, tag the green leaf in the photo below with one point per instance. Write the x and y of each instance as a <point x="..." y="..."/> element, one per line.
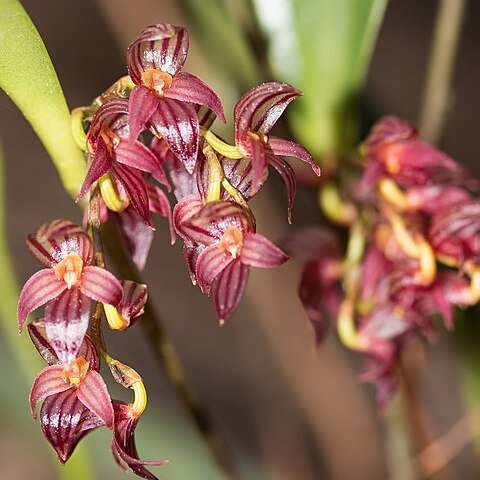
<point x="29" y="79"/>
<point x="322" y="47"/>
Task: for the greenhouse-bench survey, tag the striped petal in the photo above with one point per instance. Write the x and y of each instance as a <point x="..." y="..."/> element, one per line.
<point x="114" y="114"/>
<point x="100" y="285"/>
<point x="136" y="189"/>
<point x="209" y="223"/>
<point x="93" y="393"/>
<point x="162" y="46"/>
<point x="258" y="158"/>
<point x="228" y="289"/>
<point x="261" y="107"/>
<point x="66" y="321"/>
<point x="184" y="210"/>
<point x="39" y="243"/>
<point x="287" y="148"/>
<point x="123" y="444"/>
<point x="36" y="330"/>
<point x="177" y="123"/>
<point x="137" y="155"/>
<point x="133" y="301"/>
<point x="37" y="291"/>
<point x="259" y="251"/>
<point x="100" y="165"/>
<point x="48" y="382"/>
<point x="141" y="105"/>
<point x="210" y="263"/>
<point x="65" y="420"/>
<point x="189" y="88"/>
<point x="136" y="236"/>
<point x="288" y="176"/>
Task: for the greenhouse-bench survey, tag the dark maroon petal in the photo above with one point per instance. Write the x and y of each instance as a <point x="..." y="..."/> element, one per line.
<point x="123" y="443"/>
<point x="93" y="393"/>
<point x="211" y="222"/>
<point x="113" y="114"/>
<point x="320" y="297"/>
<point x="43" y="245"/>
<point x="136" y="189"/>
<point x="66" y="321"/>
<point x="65" y="420"/>
<point x="458" y="221"/>
<point x="210" y="263"/>
<point x="159" y="203"/>
<point x="291" y="149"/>
<point x="48" y="382"/>
<point x="288" y="175"/>
<point x="100" y="165"/>
<point x="133" y="301"/>
<point x="136" y="235"/>
<point x="36" y="330"/>
<point x="177" y="123"/>
<point x="101" y="285"/>
<point x="137" y="155"/>
<point x="239" y="174"/>
<point x="258" y="157"/>
<point x="162" y="46"/>
<point x="259" y="251"/>
<point x="189" y="88"/>
<point x="89" y="352"/>
<point x="261" y="107"/>
<point x="141" y="105"/>
<point x="190" y="254"/>
<point x="38" y="290"/>
<point x="184" y="210"/>
<point x="228" y="289"/>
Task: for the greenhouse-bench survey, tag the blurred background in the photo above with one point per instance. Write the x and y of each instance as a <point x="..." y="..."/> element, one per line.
<point x="286" y="410"/>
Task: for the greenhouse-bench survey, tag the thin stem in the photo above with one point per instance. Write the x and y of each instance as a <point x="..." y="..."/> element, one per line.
<point x="169" y="360"/>
<point x="436" y="95"/>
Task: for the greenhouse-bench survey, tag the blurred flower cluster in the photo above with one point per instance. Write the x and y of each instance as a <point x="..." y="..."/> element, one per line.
<point x="148" y="132"/>
<point x="412" y="252"/>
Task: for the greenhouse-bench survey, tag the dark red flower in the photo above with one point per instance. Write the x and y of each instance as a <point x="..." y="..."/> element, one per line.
<point x="224" y="245"/>
<point x="75" y="397"/>
<point x="112" y="153"/>
<point x="255" y="114"/>
<point x="163" y="96"/>
<point x="123" y="444"/>
<point x="66" y="286"/>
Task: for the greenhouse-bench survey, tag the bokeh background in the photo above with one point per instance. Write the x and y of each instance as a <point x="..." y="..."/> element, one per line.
<point x="286" y="410"/>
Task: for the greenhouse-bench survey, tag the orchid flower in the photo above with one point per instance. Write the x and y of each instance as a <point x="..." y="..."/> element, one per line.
<point x="163" y="96"/>
<point x="67" y="285"/>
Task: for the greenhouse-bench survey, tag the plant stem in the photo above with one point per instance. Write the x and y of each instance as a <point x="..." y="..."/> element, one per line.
<point x="436" y="97"/>
<point x="169" y="360"/>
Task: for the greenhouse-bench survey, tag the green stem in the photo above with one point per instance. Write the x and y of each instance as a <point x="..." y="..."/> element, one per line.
<point x="29" y="79"/>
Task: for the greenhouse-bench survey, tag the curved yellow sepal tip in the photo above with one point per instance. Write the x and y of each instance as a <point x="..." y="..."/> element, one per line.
<point x="140" y="399"/>
<point x="229" y="151"/>
<point x="114" y="319"/>
<point x="110" y="195"/>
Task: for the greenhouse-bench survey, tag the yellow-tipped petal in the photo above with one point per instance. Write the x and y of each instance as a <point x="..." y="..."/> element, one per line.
<point x="114" y="319"/>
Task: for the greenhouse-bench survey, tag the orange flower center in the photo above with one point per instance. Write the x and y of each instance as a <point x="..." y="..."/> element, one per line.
<point x="259" y="137"/>
<point x="232" y="241"/>
<point x="156" y="80"/>
<point x="390" y="155"/>
<point x="69" y="269"/>
<point x="76" y="371"/>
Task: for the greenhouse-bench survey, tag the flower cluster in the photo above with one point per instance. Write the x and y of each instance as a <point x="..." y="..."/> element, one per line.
<point x="75" y="397"/>
<point x="155" y="125"/>
<point x="413" y="251"/>
<point x="149" y="131"/>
